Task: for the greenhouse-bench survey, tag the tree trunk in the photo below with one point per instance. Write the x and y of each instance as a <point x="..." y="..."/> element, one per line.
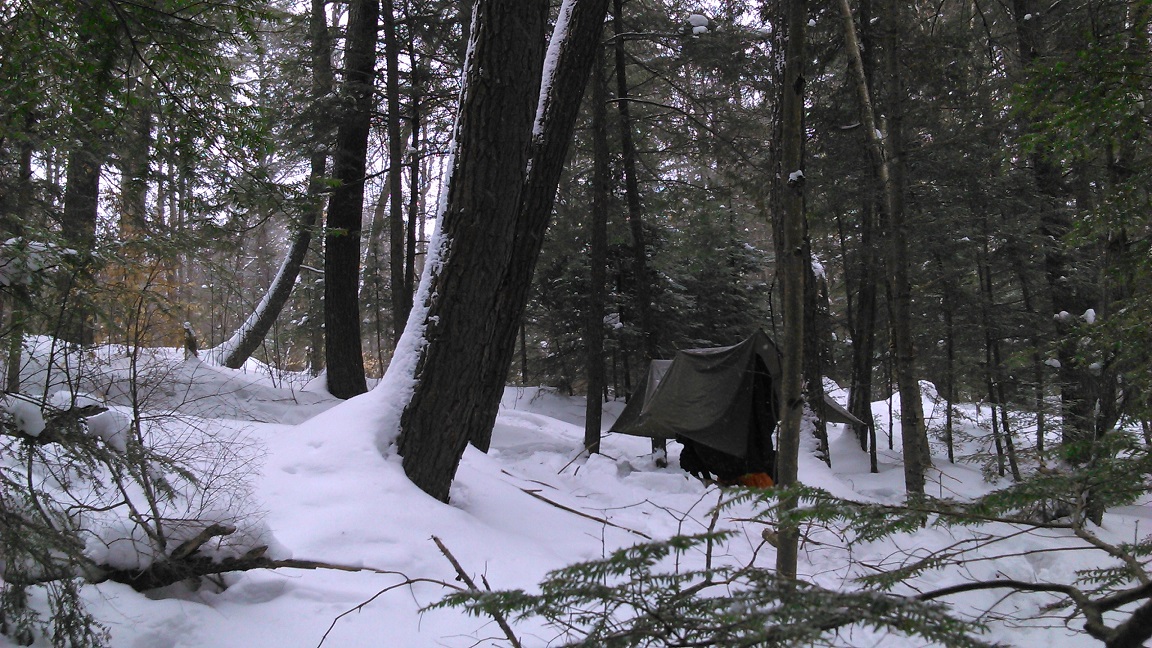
<point x="815" y="315"/>
<point x="78" y="223"/>
<point x="401" y="292"/>
<point x="864" y="335"/>
<point x="244" y="342"/>
<point x="947" y="308"/>
<point x="913" y="435"/>
<point x="886" y="152"/>
<point x="642" y="287"/>
<point x="474" y="240"/>
<point x="237" y="349"/>
<point x="480" y="281"/>
<point x="343" y="352"/>
<point x="12" y="226"/>
<point x="597" y="261"/>
<point x="415" y="221"/>
<point x="864" y="323"/>
<point x="789" y="228"/>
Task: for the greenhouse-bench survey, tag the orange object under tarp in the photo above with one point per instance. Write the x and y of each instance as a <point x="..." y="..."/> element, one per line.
<point x="756" y="480"/>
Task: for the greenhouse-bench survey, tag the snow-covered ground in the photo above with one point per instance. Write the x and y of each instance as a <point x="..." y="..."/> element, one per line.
<point x="531" y="505"/>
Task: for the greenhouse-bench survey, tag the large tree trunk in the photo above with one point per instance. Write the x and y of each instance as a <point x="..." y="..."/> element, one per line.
<point x="343" y="352"/>
<point x="476" y="290"/>
<point x="89" y="135"/>
<point x="789" y="231"/>
<point x="597" y="261"/>
<point x="474" y="240"/>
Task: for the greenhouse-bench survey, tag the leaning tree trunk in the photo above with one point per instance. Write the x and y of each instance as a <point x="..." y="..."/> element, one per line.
<point x="236" y="350"/>
<point x="887" y="165"/>
<point x="344" y="355"/>
<point x="474" y="239"/>
<point x="475" y="292"/>
<point x="244" y="342"/>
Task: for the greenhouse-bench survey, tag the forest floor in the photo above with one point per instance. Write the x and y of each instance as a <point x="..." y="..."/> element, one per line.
<point x="322" y="491"/>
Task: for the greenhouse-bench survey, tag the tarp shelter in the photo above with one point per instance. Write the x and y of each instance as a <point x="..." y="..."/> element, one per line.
<point x="721" y="403"/>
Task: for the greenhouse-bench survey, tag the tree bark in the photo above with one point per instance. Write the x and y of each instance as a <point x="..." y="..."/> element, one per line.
<point x="492" y="137"/>
<point x="480" y="285"/>
<point x="885" y="151"/>
<point x="789" y="230"/>
<point x="642" y="288"/>
<point x="597" y="261"/>
<point x="343" y="351"/>
<point x="401" y="290"/>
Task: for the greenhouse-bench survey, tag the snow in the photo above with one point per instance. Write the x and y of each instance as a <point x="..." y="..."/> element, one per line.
<point x="384" y="404"/>
<point x="551" y="60"/>
<point x="818" y="269"/>
<point x="323" y="491"/>
<point x="796" y="176"/>
<point x="698" y="20"/>
<point x="113" y="427"/>
<point x="20" y="259"/>
<point x="25" y="413"/>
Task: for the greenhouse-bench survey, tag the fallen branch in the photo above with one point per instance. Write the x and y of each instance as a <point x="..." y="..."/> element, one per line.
<point x="500" y="620"/>
<point x="583" y="514"/>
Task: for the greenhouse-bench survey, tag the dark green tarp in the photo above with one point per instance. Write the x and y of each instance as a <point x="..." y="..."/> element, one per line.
<point x="722" y="398"/>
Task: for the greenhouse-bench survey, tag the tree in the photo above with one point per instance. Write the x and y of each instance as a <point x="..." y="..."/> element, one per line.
<point x="597" y="261"/>
<point x="401" y="288"/>
<point x="246" y="339"/>
<point x="886" y="158"/>
<point x="475" y="293"/>
<point x="792" y="268"/>
<point x="344" y="357"/>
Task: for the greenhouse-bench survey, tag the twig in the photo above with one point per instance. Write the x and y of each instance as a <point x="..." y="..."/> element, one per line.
<point x="583" y="514"/>
<point x="407" y="581"/>
<point x="500" y="620"/>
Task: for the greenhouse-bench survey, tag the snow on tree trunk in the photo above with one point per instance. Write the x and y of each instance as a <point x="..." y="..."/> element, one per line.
<point x="444" y="385"/>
